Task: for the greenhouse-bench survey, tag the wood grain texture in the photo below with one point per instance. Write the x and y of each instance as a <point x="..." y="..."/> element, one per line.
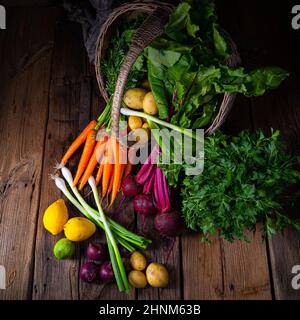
<point x="284" y="248"/>
<point x="202" y="268"/>
<point x="23" y="108"/>
<point x="276" y="43"/>
<point x="245" y="269"/>
<point x="55" y="279"/>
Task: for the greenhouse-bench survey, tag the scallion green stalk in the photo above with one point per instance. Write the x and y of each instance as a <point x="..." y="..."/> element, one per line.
<point x="116" y="259"/>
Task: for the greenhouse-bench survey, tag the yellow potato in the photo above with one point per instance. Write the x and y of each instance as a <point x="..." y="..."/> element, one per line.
<point x="145" y="125"/>
<point x="157" y="275"/>
<point x="134" y="97"/>
<point x="146" y="85"/>
<point x="138" y="261"/>
<point x="137" y="279"/>
<point x="134" y="122"/>
<point x="139" y="135"/>
<point x="149" y="104"/>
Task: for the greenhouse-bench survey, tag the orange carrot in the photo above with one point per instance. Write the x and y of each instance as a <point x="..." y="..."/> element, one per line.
<point x="95" y="158"/>
<point x="118" y="152"/>
<point x="99" y="173"/>
<point x="107" y="170"/>
<point x="86" y="154"/>
<point x="111" y="182"/>
<point x="78" y="142"/>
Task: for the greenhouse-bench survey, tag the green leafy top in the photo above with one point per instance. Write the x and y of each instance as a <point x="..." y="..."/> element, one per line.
<point x="187" y="67"/>
<point x="243" y="180"/>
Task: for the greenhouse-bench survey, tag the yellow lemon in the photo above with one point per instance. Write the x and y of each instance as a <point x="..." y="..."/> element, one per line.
<point x="55" y="217"/>
<point x="79" y="229"/>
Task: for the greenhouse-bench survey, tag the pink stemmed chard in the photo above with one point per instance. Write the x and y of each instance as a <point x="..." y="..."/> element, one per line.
<point x="152" y="178"/>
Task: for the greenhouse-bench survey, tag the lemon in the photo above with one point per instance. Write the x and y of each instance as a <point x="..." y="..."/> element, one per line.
<point x="55" y="217"/>
<point x="64" y="248"/>
<point x="79" y="229"/>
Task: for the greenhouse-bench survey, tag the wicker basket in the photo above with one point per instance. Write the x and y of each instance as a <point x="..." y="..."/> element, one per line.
<point x="157" y="15"/>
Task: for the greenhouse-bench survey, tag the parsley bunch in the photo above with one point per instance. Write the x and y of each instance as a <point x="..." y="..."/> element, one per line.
<point x="242" y="183"/>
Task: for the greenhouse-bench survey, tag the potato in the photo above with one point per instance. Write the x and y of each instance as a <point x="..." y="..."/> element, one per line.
<point x="139" y="135"/>
<point x="134" y="97"/>
<point x="137" y="279"/>
<point x="146" y="85"/>
<point x="145" y="125"/>
<point x="134" y="122"/>
<point x="138" y="261"/>
<point x="157" y="275"/>
<point x="149" y="104"/>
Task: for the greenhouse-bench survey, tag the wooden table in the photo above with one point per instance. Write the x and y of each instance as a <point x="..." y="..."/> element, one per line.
<point x="48" y="93"/>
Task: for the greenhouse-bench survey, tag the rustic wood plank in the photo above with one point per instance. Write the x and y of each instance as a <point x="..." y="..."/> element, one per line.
<point x="245" y="269"/>
<point x="59" y="279"/>
<point x="227" y="269"/>
<point x="23" y="105"/>
<point x="202" y="268"/>
<point x="276" y="43"/>
<point x="280" y="110"/>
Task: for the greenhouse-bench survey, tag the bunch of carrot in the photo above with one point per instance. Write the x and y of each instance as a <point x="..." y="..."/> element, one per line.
<point x="107" y="153"/>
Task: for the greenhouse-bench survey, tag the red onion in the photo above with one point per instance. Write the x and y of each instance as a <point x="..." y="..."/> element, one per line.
<point x="96" y="252"/>
<point x="106" y="272"/>
<point x="89" y="272"/>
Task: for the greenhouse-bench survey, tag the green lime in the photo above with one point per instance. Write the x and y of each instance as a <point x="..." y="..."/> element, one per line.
<point x="64" y="248"/>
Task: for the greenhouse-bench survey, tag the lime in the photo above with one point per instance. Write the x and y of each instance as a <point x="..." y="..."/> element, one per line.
<point x="64" y="248"/>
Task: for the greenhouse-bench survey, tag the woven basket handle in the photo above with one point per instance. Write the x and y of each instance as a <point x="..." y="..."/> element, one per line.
<point x="152" y="27"/>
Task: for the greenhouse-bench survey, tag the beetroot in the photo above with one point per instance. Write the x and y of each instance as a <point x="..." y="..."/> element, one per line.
<point x="129" y="187"/>
<point x="168" y="223"/>
<point x="143" y="204"/>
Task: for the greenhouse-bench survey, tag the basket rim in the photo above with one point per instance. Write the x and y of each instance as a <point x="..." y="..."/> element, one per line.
<point x="123" y="10"/>
<point x="147" y="7"/>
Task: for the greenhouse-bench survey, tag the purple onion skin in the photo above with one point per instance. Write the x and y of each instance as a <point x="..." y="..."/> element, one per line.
<point x="168" y="224"/>
<point x="143" y="204"/>
<point x="96" y="252"/>
<point x="89" y="272"/>
<point x="129" y="187"/>
<point x="106" y="272"/>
